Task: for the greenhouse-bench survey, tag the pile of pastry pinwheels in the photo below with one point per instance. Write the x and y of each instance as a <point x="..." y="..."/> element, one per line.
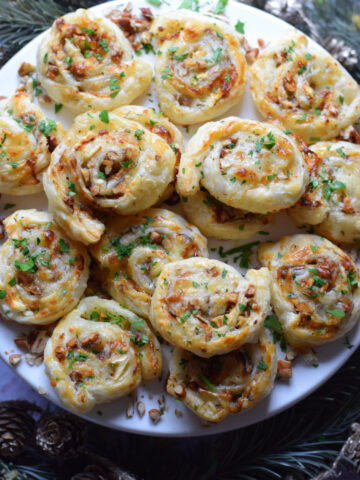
<point x="106" y="179"/>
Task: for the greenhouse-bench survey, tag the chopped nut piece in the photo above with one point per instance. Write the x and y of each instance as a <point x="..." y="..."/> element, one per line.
<point x="39" y="360"/>
<point x="179" y="391"/>
<point x="145" y="37"/>
<point x="44" y="99"/>
<point x="291" y="354"/>
<point x="15" y="359"/>
<point x="155" y="415"/>
<point x="147" y="13"/>
<point x="25" y="69"/>
<point x="39" y="343"/>
<point x="30" y="359"/>
<point x="161" y="402"/>
<point x="22" y="342"/>
<point x="130" y="409"/>
<point x="284" y="368"/>
<point x="140" y="407"/>
<point x="178" y="413"/>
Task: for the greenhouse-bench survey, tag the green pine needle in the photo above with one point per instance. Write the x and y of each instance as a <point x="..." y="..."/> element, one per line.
<point x="22" y="20"/>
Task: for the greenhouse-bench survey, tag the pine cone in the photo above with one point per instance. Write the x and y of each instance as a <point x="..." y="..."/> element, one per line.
<point x="16" y="427"/>
<point x="61" y="435"/>
<point x="103" y="470"/>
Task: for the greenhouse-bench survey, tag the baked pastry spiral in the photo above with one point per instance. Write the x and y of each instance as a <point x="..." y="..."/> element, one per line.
<point x="98" y="352"/>
<point x="245" y="164"/>
<point x="231" y="383"/>
<point x="207" y="307"/>
<point x="307" y="89"/>
<point x="159" y="124"/>
<point x="43" y="274"/>
<point x="331" y="202"/>
<point x="315" y="288"/>
<point x="216" y="219"/>
<point x="108" y="164"/>
<point x="134" y="249"/>
<point x="200" y="71"/>
<point x="27" y="138"/>
<point x="86" y="62"/>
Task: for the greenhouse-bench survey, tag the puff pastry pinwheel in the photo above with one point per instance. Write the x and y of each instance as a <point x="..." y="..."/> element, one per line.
<point x="217" y="386"/>
<point x="43" y="274"/>
<point x="159" y="124"/>
<point x="331" y="202"/>
<point x="207" y="307"/>
<point x="86" y="62"/>
<point x="98" y="352"/>
<point x="245" y="164"/>
<point x="308" y="89"/>
<point x="134" y="249"/>
<point x="27" y="138"/>
<point x="216" y="219"/>
<point x="315" y="288"/>
<point x="200" y="71"/>
<point x="108" y="163"/>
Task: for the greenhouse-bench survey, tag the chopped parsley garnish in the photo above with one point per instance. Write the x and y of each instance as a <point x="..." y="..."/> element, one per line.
<point x="217" y="55"/>
<point x="138" y="133"/>
<point x="71" y="188"/>
<point x="332" y="186"/>
<point x="336" y="313"/>
<point x="262" y="366"/>
<point x="207" y="382"/>
<point x="301" y="119"/>
<point x="104" y="45"/>
<point x="239" y="27"/>
<point x="47" y="126"/>
<point x="104" y="116"/>
<point x="64" y="247"/>
<point x="244" y="251"/>
<point x="190" y="5"/>
<point x="270" y="143"/>
<point x="122" y="249"/>
<point x="184" y="317"/>
<point x="2" y="294"/>
<point x="272" y="323"/>
<point x="29" y="266"/>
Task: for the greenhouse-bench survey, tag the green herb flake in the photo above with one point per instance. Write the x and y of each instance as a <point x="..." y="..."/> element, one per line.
<point x="262" y="366"/>
<point x="336" y="313"/>
<point x="104" y="116"/>
<point x="207" y="382"/>
<point x="64" y="247"/>
<point x="239" y="27"/>
<point x="47" y="126"/>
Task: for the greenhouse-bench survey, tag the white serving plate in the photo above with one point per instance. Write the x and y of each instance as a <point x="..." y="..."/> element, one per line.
<point x="306" y="379"/>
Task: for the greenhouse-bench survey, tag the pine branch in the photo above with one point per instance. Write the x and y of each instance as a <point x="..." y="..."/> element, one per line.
<point x="41" y="472"/>
<point x="22" y="20"/>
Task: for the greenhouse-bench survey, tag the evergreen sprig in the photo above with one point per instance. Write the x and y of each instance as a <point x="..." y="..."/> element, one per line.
<point x="40" y="472"/>
<point x="22" y="20"/>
